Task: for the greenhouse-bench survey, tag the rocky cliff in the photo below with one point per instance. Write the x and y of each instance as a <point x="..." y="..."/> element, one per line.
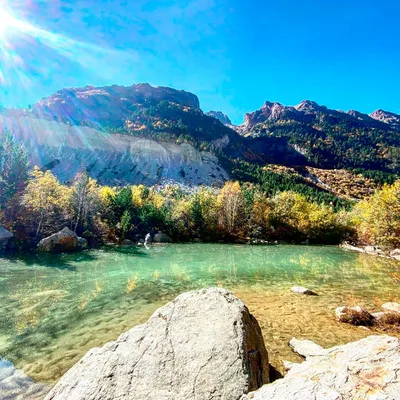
<point x="112" y="159"/>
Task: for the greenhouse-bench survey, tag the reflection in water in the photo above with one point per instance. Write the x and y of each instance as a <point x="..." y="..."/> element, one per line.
<point x="15" y="385"/>
<point x="55" y="308"/>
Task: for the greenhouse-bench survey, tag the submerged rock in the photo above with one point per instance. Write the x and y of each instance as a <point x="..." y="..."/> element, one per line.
<point x="161" y="237"/>
<point x="5" y="236"/>
<point x="366" y="369"/>
<point x="303" y="290"/>
<point x="203" y="345"/>
<point x="354" y="315"/>
<point x="15" y="385"/>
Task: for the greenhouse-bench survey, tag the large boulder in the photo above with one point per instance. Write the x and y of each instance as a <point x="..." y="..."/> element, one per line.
<point x="5" y="236"/>
<point x="203" y="345"/>
<point x="65" y="240"/>
<point x="161" y="237"/>
<point x="366" y="369"/>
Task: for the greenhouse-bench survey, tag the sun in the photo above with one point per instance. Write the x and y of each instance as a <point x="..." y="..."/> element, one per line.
<point x="7" y="21"/>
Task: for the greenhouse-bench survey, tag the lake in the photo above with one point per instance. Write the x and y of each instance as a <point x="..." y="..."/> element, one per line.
<point x="54" y="308"/>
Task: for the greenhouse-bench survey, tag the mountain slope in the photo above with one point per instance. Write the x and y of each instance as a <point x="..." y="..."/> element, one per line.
<point x="112" y="159"/>
<point x="330" y="138"/>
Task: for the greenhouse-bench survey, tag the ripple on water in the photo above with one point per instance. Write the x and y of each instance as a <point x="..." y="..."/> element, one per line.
<point x="55" y="308"/>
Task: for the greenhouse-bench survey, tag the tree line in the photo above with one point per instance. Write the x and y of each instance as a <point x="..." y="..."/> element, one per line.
<point x="34" y="204"/>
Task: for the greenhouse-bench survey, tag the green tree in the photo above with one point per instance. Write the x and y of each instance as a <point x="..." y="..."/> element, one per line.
<point x="14" y="168"/>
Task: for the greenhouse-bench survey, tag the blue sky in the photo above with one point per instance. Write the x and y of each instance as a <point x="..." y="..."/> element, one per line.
<point x="233" y="54"/>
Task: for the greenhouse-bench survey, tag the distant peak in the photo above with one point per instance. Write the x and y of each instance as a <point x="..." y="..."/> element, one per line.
<point x="386" y="117"/>
<point x="220" y="116"/>
<point x="309" y="105"/>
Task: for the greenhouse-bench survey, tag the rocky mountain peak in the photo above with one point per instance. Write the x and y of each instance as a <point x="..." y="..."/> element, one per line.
<point x="309" y="106"/>
<point x="106" y="105"/>
<point x="386" y="117"/>
<point x="220" y="116"/>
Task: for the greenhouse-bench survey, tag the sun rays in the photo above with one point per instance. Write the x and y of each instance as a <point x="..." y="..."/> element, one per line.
<point x="28" y="51"/>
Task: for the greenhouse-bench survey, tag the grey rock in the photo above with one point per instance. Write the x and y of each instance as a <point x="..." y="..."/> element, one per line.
<point x="203" y="345"/>
<point x="220" y="116"/>
<point x="379" y="316"/>
<point x="5" y="237"/>
<point x="366" y="369"/>
<point x="65" y="240"/>
<point x="354" y="315"/>
<point x="306" y="348"/>
<point x="392" y="307"/>
<point x="303" y="290"/>
<point x="161" y="237"/>
<point x="395" y="254"/>
<point x="373" y="250"/>
<point x="82" y="243"/>
<point x="128" y="242"/>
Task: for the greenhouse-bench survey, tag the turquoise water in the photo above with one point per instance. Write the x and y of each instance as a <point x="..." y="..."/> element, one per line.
<point x="53" y="308"/>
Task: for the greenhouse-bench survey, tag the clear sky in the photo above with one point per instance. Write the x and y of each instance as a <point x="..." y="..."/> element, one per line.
<point x="233" y="54"/>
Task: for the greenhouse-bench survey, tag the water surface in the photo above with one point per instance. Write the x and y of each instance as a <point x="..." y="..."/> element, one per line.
<point x="53" y="308"/>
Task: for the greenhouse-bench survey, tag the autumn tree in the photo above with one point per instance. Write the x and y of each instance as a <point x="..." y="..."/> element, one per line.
<point x="85" y="201"/>
<point x="377" y="219"/>
<point x="46" y="202"/>
<point x="231" y="208"/>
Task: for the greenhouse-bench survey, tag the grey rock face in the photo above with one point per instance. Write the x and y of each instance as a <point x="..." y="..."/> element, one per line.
<point x="387" y="117"/>
<point x="203" y="345"/>
<point x="303" y="290"/>
<point x="366" y="369"/>
<point x="5" y="236"/>
<point x="112" y="159"/>
<point x="65" y="240"/>
<point x="220" y="116"/>
<point x="354" y="315"/>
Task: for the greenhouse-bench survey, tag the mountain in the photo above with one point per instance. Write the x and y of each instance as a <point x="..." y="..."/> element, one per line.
<point x="387" y="117"/>
<point x="135" y="134"/>
<point x="330" y="138"/>
<point x="220" y="116"/>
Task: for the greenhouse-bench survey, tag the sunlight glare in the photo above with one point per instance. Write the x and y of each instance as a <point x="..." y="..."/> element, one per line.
<point x="6" y="21"/>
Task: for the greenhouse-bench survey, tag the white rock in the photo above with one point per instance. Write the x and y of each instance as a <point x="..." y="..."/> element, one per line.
<point x="306" y="348"/>
<point x="203" y="345"/>
<point x="392" y="307"/>
<point x="303" y="290"/>
<point x="366" y="369"/>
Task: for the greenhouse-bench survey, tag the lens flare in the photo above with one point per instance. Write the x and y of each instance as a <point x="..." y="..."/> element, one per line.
<point x="28" y="51"/>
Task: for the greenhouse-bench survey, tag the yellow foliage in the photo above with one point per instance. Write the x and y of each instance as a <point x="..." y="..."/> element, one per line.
<point x="377" y="219"/>
<point x="106" y="193"/>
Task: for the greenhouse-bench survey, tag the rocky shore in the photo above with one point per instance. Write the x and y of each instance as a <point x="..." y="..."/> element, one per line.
<point x="206" y="345"/>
